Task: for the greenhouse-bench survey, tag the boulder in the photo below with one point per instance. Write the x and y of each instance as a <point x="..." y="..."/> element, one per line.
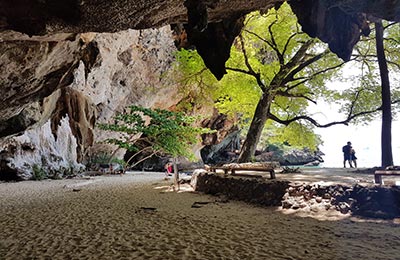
<point x="292" y="157"/>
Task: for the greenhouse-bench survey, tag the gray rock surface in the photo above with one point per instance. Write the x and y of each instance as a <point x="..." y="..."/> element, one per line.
<point x="78" y="81"/>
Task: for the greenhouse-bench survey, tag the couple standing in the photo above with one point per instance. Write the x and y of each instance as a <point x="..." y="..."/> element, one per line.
<point x="349" y="155"/>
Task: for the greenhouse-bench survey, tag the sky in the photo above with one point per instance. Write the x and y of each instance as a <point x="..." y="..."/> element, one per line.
<point x="365" y="139"/>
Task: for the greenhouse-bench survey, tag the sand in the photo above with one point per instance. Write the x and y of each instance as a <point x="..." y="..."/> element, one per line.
<point x="137" y="216"/>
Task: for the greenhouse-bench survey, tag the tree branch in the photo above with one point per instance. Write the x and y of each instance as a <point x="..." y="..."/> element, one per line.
<point x="240" y="70"/>
<point x="304" y="64"/>
<point x="257" y="76"/>
<point x="141" y="160"/>
<point x="288" y="41"/>
<point x="305" y="79"/>
<point x="274" y="47"/>
<point x="315" y="123"/>
<point x="294" y="95"/>
<point x="343" y="122"/>
<point x="299" y="55"/>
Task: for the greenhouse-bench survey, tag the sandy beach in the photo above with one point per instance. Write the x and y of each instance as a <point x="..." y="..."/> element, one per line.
<point x="138" y="216"/>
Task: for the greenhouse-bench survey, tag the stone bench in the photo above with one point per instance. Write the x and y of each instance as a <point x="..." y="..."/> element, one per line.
<point x="378" y="175"/>
<point x="233" y="168"/>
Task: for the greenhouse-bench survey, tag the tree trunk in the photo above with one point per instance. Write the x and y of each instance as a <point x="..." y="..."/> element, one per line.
<point x="256" y="128"/>
<point x="176" y="175"/>
<point x="386" y="135"/>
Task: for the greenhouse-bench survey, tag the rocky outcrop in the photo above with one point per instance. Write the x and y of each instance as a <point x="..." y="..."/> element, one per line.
<point x="38" y="149"/>
<point x="220" y="152"/>
<point x="227" y="151"/>
<point x="222" y="124"/>
<point x="292" y="157"/>
<point x="222" y="145"/>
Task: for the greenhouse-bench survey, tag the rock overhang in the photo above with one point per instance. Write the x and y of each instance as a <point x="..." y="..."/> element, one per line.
<point x="211" y="25"/>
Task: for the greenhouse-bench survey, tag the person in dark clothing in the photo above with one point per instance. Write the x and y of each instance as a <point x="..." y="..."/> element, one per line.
<point x="347" y="154"/>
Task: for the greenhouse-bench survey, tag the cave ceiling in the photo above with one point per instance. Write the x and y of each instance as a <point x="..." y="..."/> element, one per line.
<point x="211" y="25"/>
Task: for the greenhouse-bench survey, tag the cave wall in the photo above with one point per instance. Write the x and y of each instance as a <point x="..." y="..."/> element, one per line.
<point x="32" y="68"/>
<point x="57" y="72"/>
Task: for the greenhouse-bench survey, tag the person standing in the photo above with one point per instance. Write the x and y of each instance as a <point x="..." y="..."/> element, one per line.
<point x="347" y="154"/>
<point x="353" y="157"/>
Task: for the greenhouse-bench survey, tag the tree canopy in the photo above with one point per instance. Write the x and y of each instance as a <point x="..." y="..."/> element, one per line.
<point x="275" y="71"/>
<point x="365" y="93"/>
<point x="274" y="60"/>
<point x="155" y="131"/>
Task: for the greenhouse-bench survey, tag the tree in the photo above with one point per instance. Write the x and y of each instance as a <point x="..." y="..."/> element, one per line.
<point x="154" y="132"/>
<point x="273" y="62"/>
<point x="287" y="66"/>
<point x="377" y="55"/>
<point x="386" y="135"/>
<point x="274" y="66"/>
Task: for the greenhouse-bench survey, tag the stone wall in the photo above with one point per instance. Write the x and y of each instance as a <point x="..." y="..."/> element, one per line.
<point x="379" y="202"/>
<point x="257" y="191"/>
<point x="369" y="202"/>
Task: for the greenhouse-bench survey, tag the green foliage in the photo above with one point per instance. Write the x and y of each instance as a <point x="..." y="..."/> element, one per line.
<point x="365" y="95"/>
<point x="99" y="158"/>
<point x="297" y="134"/>
<point x="271" y="42"/>
<point x="38" y="173"/>
<point x="195" y="80"/>
<point x="268" y="46"/>
<point x="103" y="158"/>
<point x="164" y="131"/>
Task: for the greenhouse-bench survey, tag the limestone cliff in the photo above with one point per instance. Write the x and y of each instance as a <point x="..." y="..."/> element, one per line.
<point x="76" y="82"/>
<point x="39" y="150"/>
